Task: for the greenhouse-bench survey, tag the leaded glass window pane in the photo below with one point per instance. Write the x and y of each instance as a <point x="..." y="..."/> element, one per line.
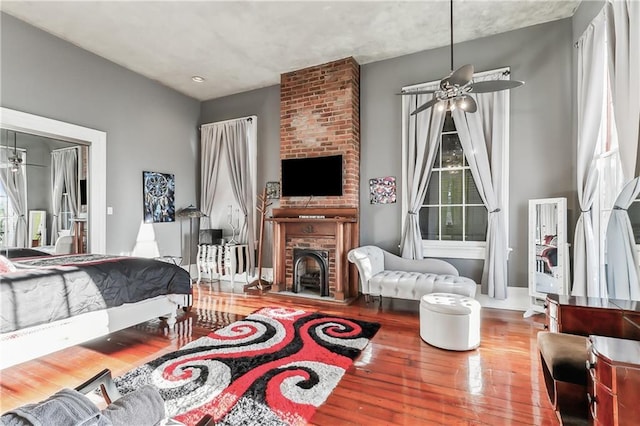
<point x="452" y="155"/>
<point x="476" y="223"/>
<point x="451" y="226"/>
<point x="451" y="187"/>
<point x="472" y="194"/>
<point x="429" y="225"/>
<point x="453" y="209"/>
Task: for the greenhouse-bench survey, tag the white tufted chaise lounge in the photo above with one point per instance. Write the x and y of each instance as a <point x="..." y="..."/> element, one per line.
<point x="388" y="275"/>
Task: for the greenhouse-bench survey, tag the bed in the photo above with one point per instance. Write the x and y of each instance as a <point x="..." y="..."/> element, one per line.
<point x="48" y="303"/>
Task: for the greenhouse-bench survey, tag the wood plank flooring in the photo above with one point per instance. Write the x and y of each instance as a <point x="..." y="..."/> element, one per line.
<point x="397" y="380"/>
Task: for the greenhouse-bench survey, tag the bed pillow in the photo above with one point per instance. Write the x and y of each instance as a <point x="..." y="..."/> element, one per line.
<point x="6" y="265"/>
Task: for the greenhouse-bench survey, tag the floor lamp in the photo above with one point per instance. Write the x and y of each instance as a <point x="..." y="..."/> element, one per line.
<point x="191" y="212"/>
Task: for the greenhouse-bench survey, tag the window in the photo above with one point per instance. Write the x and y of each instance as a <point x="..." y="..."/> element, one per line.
<point x="610" y="179"/>
<point x="453" y="218"/>
<point x="452" y="209"/>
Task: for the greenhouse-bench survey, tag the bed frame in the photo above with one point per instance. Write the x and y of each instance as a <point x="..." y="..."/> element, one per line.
<point x="33" y="342"/>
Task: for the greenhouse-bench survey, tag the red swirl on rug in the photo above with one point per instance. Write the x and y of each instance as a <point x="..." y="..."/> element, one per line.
<point x="274" y="367"/>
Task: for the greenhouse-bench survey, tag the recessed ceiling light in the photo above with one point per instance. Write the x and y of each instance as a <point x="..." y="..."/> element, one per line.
<point x="197" y="79"/>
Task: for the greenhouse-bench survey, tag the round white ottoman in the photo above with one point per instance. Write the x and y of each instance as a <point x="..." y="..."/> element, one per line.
<point x="450" y="321"/>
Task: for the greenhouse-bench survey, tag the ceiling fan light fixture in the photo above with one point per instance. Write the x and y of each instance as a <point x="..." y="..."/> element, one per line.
<point x="455" y="89"/>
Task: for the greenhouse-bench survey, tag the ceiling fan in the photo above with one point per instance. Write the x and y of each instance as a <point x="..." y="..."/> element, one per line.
<point x="15" y="160"/>
<point x="453" y="91"/>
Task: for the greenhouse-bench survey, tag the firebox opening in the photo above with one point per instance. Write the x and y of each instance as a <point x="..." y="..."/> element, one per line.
<point x="311" y="271"/>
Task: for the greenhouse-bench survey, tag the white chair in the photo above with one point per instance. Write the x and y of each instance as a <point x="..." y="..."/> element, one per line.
<point x="64" y="245"/>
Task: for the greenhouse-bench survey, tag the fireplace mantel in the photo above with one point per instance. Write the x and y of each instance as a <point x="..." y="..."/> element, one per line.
<point x="337" y="227"/>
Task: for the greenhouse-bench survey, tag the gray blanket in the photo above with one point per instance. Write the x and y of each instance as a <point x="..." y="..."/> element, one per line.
<point x="66" y="407"/>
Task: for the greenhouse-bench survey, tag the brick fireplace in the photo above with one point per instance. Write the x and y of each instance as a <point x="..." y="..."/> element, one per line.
<point x="320" y="116"/>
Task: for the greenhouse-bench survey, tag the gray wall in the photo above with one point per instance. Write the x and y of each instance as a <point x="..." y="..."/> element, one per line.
<point x="541" y="151"/>
<point x="149" y="126"/>
<point x="585" y="13"/>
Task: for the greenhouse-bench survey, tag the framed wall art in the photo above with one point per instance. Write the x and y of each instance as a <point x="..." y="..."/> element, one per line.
<point x="273" y="190"/>
<point x="158" y="197"/>
<point x="382" y="190"/>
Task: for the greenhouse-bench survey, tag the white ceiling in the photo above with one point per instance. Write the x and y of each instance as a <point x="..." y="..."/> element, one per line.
<point x="242" y="45"/>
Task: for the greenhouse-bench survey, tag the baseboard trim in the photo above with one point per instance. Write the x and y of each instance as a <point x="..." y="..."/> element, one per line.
<point x="517" y="299"/>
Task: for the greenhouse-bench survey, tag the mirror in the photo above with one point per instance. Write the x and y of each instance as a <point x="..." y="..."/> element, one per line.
<point x="623" y="233"/>
<point x="37" y="228"/>
<point x="548" y="250"/>
<point x="94" y="142"/>
<point x="39" y="185"/>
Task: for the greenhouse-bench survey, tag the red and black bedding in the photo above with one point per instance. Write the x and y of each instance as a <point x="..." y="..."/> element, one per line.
<point x="39" y="290"/>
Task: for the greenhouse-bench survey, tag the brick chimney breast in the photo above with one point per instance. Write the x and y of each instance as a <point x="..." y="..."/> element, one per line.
<point x="320" y="116"/>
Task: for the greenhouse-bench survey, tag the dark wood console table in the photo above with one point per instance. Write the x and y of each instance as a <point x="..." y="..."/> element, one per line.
<point x="613" y="327"/>
<point x="614" y="381"/>
<point x="591" y="315"/>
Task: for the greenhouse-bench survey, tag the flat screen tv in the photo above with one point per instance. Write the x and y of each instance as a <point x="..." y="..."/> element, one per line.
<point x="313" y="176"/>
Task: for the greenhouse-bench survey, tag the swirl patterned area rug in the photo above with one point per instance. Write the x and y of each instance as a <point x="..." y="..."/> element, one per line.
<point x="275" y="367"/>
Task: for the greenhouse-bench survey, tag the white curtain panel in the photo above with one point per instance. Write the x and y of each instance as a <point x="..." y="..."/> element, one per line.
<point x="235" y="141"/>
<point x="623" y="42"/>
<point x="423" y="135"/>
<point x="70" y="158"/>
<point x="622" y="259"/>
<point x="211" y="149"/>
<point x="591" y="57"/>
<point x="237" y="136"/>
<point x="15" y="184"/>
<point x="64" y="177"/>
<point x="483" y="137"/>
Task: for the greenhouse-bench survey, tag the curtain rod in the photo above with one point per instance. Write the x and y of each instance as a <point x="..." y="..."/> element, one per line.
<point x="503" y="71"/>
<point x="249" y="119"/>
<point x="65" y="149"/>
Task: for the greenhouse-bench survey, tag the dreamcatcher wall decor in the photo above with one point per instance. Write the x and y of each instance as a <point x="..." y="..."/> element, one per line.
<point x="159" y="197"/>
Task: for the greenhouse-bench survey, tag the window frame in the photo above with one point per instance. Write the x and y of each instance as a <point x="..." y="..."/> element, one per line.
<point x="456" y="249"/>
<point x="610" y="182"/>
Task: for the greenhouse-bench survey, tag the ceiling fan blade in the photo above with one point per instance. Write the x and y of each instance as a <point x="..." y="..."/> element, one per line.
<point x="461" y="76"/>
<point x="494" y="86"/>
<point x="417" y="92"/>
<point x="422" y="107"/>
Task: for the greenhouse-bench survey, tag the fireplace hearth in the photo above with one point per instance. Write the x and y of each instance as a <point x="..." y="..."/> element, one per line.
<point x="333" y="230"/>
<point x="311" y="271"/>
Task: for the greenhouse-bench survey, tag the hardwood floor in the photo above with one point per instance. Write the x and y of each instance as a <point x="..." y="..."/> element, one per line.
<point x="397" y="380"/>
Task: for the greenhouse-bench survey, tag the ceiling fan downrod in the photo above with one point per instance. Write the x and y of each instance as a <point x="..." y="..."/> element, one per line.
<point x="451" y="35"/>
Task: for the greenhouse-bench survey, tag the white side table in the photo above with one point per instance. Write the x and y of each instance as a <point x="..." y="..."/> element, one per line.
<point x="229" y="259"/>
